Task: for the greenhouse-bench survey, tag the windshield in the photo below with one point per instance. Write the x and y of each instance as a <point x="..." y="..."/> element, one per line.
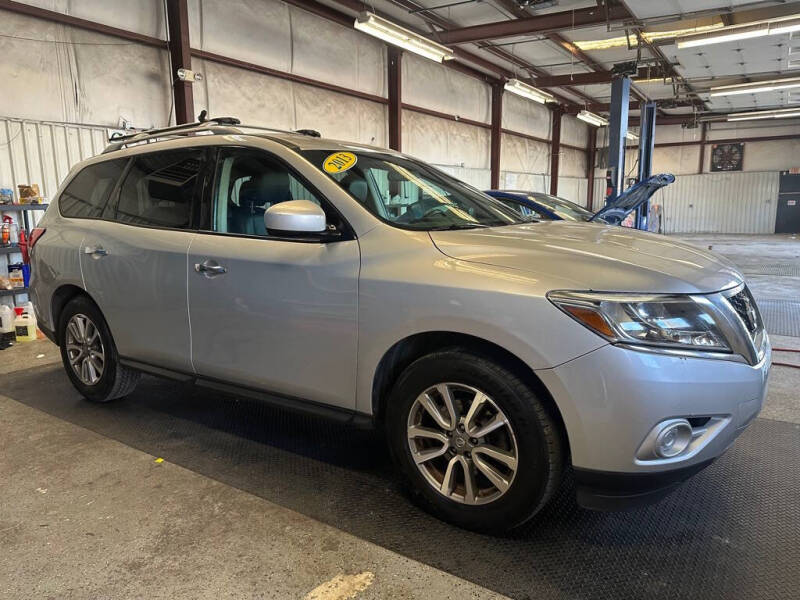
<point x="409" y="193"/>
<point x="568" y="211"/>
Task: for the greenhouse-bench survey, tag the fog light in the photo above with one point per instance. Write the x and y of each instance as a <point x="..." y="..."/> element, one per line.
<point x="674" y="438"/>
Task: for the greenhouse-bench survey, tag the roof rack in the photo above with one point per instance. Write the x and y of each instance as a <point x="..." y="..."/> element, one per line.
<point x="216" y="125"/>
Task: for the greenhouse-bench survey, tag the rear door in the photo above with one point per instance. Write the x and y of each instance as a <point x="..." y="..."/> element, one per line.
<point x="134" y="259"/>
<point x="273" y="313"/>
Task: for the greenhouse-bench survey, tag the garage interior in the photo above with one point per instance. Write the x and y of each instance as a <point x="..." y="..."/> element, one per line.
<point x="184" y="492"/>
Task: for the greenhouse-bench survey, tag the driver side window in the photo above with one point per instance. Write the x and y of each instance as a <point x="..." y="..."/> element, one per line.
<point x="247" y="183"/>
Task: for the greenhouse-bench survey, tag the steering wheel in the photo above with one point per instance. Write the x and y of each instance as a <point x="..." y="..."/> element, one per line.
<point x="440" y="208"/>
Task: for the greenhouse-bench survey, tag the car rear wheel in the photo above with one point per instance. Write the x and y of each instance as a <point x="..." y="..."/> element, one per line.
<point x="89" y="354"/>
<point x="474" y="441"/>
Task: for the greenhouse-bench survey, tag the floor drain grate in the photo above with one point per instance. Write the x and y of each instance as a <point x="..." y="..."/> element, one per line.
<point x="781" y="317"/>
<point x="791" y="269"/>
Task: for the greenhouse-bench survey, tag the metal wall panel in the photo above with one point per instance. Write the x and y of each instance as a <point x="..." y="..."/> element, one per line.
<point x="52" y="72"/>
<point x="443" y="142"/>
<point x="478" y="178"/>
<point x="569" y="188"/>
<point x="716" y="202"/>
<point x="143" y="16"/>
<point x="720" y="203"/>
<point x="43" y="153"/>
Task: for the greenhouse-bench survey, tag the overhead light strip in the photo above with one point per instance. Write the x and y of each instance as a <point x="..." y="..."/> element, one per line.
<point x="396" y="35"/>
<point x="781" y="113"/>
<point x="592" y="119"/>
<point x="756" y="87"/>
<point x="520" y="88"/>
<point x="735" y="33"/>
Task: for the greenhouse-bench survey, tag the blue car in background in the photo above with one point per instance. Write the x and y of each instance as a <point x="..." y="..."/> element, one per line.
<point x="536" y="205"/>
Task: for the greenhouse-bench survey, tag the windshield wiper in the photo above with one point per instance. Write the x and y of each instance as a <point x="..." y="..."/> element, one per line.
<point x="455" y="226"/>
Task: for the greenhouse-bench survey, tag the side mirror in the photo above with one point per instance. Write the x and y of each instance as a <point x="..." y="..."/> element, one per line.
<point x="295" y="216"/>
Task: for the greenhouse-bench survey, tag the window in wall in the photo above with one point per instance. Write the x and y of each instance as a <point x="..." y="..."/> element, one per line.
<point x="87" y="194"/>
<point x="247" y="184"/>
<point x="161" y="189"/>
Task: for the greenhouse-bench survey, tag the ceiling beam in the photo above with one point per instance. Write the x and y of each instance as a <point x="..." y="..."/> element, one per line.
<point x="545" y="23"/>
<point x="436" y="20"/>
<point x="594" y="77"/>
<point x="599" y="107"/>
<point x="514" y="9"/>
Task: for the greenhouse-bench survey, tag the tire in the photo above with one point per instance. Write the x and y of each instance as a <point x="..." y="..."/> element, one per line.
<point x="107" y="379"/>
<point x="535" y="441"/>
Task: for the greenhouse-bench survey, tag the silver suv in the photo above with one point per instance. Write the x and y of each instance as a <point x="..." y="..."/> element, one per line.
<point x="495" y="352"/>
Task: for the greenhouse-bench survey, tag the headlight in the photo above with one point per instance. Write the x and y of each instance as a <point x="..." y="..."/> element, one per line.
<point x="679" y="322"/>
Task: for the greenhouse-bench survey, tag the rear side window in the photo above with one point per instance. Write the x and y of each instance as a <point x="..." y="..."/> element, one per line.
<point x="160" y="189"/>
<point x="87" y="194"/>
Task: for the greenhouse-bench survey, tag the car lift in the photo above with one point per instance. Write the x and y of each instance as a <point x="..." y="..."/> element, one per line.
<point x="617" y="131"/>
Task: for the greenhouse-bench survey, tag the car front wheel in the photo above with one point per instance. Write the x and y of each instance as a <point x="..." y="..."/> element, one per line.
<point x="477" y="445"/>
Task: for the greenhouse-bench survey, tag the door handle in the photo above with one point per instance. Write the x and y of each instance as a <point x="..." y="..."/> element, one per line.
<point x="95" y="250"/>
<point x="210" y="268"/>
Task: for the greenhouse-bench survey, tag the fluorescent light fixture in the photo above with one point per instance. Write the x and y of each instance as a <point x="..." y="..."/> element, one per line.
<point x="592" y="119"/>
<point x="757" y="87"/>
<point x="649" y="36"/>
<point x="788" y="28"/>
<point x="520" y="88"/>
<point x="742" y="32"/>
<point x="631" y="136"/>
<point x="720" y="39"/>
<point x="400" y="36"/>
<point x="781" y="113"/>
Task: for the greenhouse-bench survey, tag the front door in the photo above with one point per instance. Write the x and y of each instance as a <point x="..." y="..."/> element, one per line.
<point x="787" y="219"/>
<point x="134" y="259"/>
<point x="271" y="313"/>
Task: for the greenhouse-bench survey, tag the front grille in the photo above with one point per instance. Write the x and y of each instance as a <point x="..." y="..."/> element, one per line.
<point x="745" y="306"/>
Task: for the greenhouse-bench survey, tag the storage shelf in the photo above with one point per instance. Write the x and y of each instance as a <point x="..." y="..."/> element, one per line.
<point x="14" y="292"/>
<point x="9" y="249"/>
<point x="22" y="207"/>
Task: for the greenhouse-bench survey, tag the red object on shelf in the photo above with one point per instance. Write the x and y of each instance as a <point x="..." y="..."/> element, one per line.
<point x="5" y="230"/>
<point x="23" y="246"/>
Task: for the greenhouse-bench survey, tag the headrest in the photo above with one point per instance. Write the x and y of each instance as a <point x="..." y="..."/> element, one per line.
<point x="269" y="188"/>
<point x="159" y="190"/>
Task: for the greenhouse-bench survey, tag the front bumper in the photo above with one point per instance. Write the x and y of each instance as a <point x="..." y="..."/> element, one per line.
<point x="611" y="398"/>
<point x="601" y="490"/>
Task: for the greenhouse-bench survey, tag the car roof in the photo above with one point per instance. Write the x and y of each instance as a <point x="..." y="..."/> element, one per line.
<point x="296" y="140"/>
<point x="301" y="141"/>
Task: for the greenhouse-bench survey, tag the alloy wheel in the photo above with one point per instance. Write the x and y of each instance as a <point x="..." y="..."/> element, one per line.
<point x="85" y="349"/>
<point x="462" y="443"/>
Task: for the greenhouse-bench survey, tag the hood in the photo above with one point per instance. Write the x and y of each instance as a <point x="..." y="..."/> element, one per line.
<point x="629" y="200"/>
<point x="581" y="256"/>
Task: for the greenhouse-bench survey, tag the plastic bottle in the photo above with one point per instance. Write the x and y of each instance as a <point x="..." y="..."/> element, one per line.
<point x="24" y="325"/>
<point x="7" y="331"/>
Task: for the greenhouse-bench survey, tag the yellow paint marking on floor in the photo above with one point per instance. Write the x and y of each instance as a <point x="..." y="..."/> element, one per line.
<point x="341" y="587"/>
<point x="159" y="460"/>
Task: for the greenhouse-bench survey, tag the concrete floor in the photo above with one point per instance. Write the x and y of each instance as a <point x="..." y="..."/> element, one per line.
<point x="85" y="516"/>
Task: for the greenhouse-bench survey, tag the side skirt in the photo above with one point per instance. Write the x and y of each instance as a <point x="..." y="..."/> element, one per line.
<point x="297" y="405"/>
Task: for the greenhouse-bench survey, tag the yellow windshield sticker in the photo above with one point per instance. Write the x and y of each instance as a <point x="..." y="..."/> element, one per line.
<point x="339" y="162"/>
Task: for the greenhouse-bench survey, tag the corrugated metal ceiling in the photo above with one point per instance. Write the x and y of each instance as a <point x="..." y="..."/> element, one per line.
<point x="703" y="66"/>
